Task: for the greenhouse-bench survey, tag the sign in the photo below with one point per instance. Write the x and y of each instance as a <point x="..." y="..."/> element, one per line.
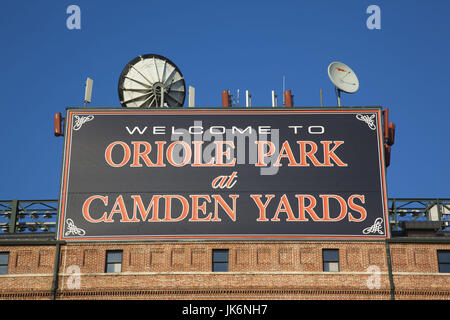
<point x="223" y="174"/>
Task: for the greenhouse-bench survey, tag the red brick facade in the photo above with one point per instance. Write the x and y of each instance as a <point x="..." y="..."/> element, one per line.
<point x="257" y="270"/>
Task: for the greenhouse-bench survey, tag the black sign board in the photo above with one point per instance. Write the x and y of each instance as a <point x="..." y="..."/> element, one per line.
<point x="260" y="173"/>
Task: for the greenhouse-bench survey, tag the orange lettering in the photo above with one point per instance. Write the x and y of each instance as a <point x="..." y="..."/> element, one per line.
<point x="262" y="207"/>
<point x="139" y="206"/>
<point x="310" y="154"/>
<point x="326" y="207"/>
<point x="310" y="208"/>
<point x="284" y="206"/>
<point x="184" y="211"/>
<point x="86" y="205"/>
<point x="262" y="154"/>
<point x="126" y="154"/>
<point x="357" y="208"/>
<point x="218" y="200"/>
<point x="196" y="208"/>
<point x="286" y="152"/>
<point x="329" y="154"/>
<point x="119" y="207"/>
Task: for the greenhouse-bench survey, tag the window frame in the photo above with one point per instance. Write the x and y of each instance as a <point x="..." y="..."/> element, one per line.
<point x="443" y="263"/>
<point x="326" y="262"/>
<point x="6" y="265"/>
<point x="224" y="262"/>
<point x="109" y="263"/>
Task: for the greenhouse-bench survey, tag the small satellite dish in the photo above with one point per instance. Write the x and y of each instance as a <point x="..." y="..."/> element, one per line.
<point x="151" y="81"/>
<point x="343" y="78"/>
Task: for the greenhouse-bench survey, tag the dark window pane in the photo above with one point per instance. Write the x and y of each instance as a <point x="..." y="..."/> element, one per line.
<point x="444" y="267"/>
<point x="330" y="255"/>
<point x="114" y="261"/>
<point x="114" y="257"/>
<point x="3" y="269"/>
<point x="220" y="267"/>
<point x="444" y="256"/>
<point x="220" y="260"/>
<point x="4" y="258"/>
<point x="220" y="255"/>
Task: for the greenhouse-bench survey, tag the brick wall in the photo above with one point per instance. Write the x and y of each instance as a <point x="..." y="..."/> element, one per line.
<point x="268" y="270"/>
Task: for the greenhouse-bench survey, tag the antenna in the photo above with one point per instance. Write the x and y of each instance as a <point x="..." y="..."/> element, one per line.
<point x="191" y="97"/>
<point x="284" y="89"/>
<point x="162" y="97"/>
<point x="248" y="99"/>
<point x="321" y="99"/>
<point x="88" y="91"/>
<point x="274" y="99"/>
<point x="338" y="96"/>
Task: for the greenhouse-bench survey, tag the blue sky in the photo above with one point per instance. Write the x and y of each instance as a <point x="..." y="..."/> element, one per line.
<point x="218" y="45"/>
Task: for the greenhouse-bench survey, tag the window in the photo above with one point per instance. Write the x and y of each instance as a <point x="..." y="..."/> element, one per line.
<point x="444" y="261"/>
<point x="113" y="261"/>
<point x="220" y="260"/>
<point x="4" y="259"/>
<point x="330" y="260"/>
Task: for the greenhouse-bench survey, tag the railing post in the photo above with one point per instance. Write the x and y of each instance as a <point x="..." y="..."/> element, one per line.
<point x="13" y="217"/>
<point x="440" y="217"/>
<point x="394" y="214"/>
<point x="390" y="275"/>
<point x="56" y="270"/>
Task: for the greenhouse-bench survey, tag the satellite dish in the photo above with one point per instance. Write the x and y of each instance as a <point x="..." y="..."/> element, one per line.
<point x="151" y="81"/>
<point x="343" y="78"/>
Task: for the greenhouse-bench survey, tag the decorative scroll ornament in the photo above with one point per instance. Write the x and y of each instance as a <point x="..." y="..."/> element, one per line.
<point x="80" y="120"/>
<point x="370" y="120"/>
<point x="375" y="228"/>
<point x="73" y="230"/>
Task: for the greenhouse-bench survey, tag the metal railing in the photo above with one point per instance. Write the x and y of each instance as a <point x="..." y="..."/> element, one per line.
<point x="24" y="216"/>
<point x="426" y="209"/>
